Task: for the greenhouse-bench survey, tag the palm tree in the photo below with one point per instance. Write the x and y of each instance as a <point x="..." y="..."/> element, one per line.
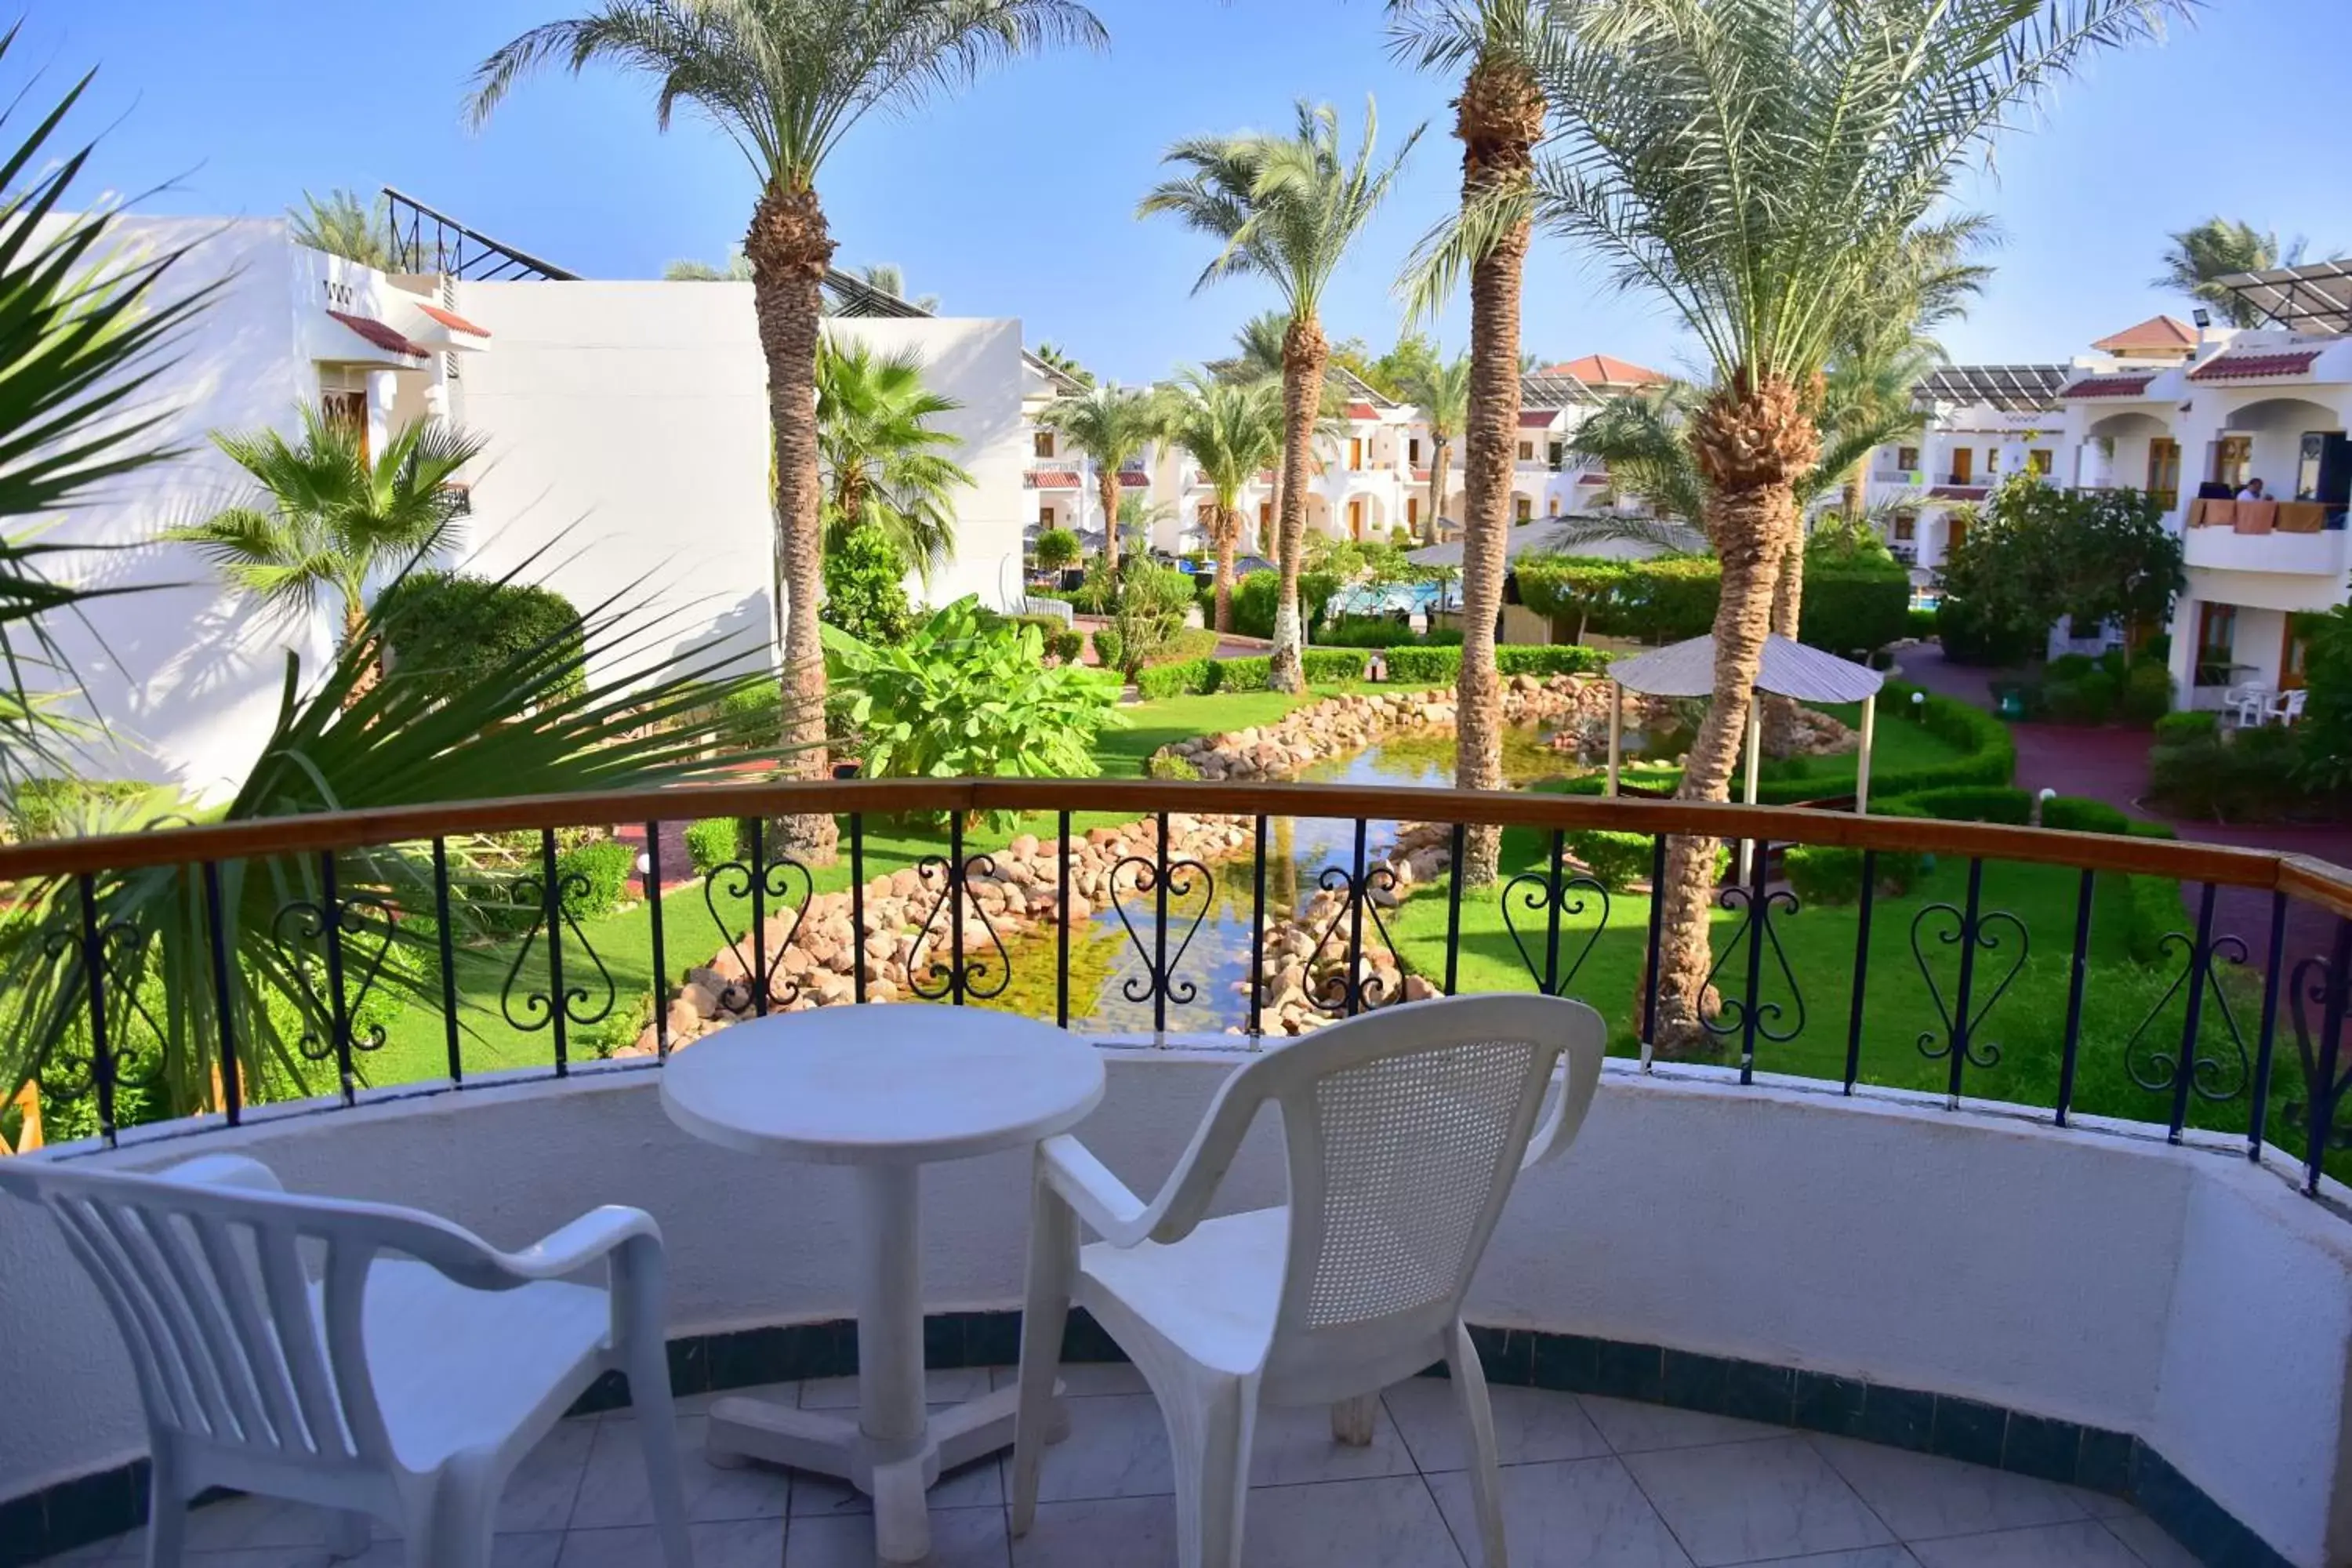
<point x="1758" y="164"/>
<point x="1112" y="425"/>
<point x="1443" y="396"/>
<point x="1286" y="208"/>
<point x="1257" y="344"/>
<point x="887" y="278"/>
<point x="1233" y="432"/>
<point x="884" y="465"/>
<point x="2198" y="258"/>
<point x="331" y="517"/>
<point x="1061" y="359"/>
<point x="737" y="268"/>
<point x="786" y="81"/>
<point x="1499" y="118"/>
<point x="343" y="225"/>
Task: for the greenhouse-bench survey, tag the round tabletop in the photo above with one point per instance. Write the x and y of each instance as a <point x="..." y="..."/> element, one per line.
<point x="882" y="1084"/>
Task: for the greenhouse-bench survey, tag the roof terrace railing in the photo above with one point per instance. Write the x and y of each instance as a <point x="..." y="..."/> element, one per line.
<point x="1175" y="910"/>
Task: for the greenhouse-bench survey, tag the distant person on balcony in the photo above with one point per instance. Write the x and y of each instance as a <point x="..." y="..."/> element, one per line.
<point x="2253" y="491"/>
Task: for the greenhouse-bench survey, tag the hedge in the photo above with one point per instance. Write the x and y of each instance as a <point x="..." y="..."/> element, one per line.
<point x="462" y="631"/>
<point x="2076" y="814"/>
<point x="1615" y="859"/>
<point x="1326" y="666"/>
<point x="595" y="877"/>
<point x="1199" y="677"/>
<point x="2152" y="907"/>
<point x="1674" y="598"/>
<point x="712" y="842"/>
<point x="1255" y="595"/>
<point x="1971" y="803"/>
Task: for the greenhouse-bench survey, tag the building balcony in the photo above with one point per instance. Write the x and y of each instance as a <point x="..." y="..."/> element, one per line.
<point x="2324" y="553"/>
<point x="1863" y="1251"/>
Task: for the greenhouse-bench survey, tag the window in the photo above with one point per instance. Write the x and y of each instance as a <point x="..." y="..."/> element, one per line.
<point x="1526" y="451"/>
<point x="1554" y="508"/>
<point x="2164" y="469"/>
<point x="1907" y="459"/>
<point x="1907" y="528"/>
<point x="1355" y="454"/>
<point x="1413" y="512"/>
<point x="1524" y="508"/>
<point x="349" y="410"/>
<point x="1413" y="451"/>
<point x="1043" y="443"/>
<point x="2292" y="652"/>
<point x="1963" y="465"/>
<point x="2217" y="643"/>
<point x="2233" y="458"/>
<point x="1558" y="455"/>
<point x="1355" y="517"/>
<point x="1044" y="517"/>
<point x="2037" y="462"/>
<point x="1265" y="514"/>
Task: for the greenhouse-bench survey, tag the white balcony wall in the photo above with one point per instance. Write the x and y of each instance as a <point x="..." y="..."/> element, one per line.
<point x="2181" y="1295"/>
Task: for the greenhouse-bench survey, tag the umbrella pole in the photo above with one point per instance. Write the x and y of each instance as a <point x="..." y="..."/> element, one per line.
<point x="1862" y="763"/>
<point x="1755" y="761"/>
<point x="1616" y="717"/>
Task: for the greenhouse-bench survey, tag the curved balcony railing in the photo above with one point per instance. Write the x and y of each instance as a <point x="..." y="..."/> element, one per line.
<point x="1159" y="909"/>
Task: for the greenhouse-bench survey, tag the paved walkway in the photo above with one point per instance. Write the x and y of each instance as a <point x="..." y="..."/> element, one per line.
<point x="1586" y="1481"/>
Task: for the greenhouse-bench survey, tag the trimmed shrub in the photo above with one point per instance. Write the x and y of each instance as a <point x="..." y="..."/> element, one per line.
<point x="1364" y="631"/>
<point x="1165" y="681"/>
<point x="1825" y="875"/>
<point x="1549" y="659"/>
<point x="459" y="631"/>
<point x="604" y="871"/>
<point x="753" y="718"/>
<point x="1239" y="674"/>
<point x="712" y="842"/>
<point x="1171" y="768"/>
<point x="1667" y="599"/>
<point x="1324" y="666"/>
<point x="1850" y="608"/>
<point x="1971" y="803"/>
<point x="1255" y="595"/>
<point x="1442" y="636"/>
<point x="1056" y="548"/>
<point x="1425" y="666"/>
<point x="2152" y="906"/>
<point x="2088" y="698"/>
<point x="1615" y="859"/>
<point x="2175" y="728"/>
<point x="1969" y="637"/>
<point x="2074" y="814"/>
<point x="2146" y="694"/>
<point x="1919" y="624"/>
<point x="865" y="588"/>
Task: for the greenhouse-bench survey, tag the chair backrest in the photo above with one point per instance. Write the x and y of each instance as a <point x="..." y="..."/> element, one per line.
<point x="241" y="1305"/>
<point x="1404" y="1130"/>
<point x="2290" y="706"/>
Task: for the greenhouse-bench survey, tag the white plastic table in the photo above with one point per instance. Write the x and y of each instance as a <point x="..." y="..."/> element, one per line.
<point x="885" y="1089"/>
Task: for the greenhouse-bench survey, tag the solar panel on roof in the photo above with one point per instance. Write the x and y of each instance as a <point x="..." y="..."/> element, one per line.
<point x="2313" y="297"/>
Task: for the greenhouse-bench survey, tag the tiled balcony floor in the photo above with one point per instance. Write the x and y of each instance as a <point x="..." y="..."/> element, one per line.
<point x="1589" y="1482"/>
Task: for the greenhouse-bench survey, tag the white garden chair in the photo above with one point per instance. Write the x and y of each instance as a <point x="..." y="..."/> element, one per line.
<point x="368" y="1359"/>
<point x="2247" y="702"/>
<point x="2287" y="708"/>
<point x="1404" y="1130"/>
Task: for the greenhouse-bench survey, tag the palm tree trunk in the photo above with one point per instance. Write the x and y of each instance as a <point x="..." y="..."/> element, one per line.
<point x="1305" y="351"/>
<point x="789" y="249"/>
<point x="1229" y="538"/>
<point x="354" y="627"/>
<point x="1788" y="613"/>
<point x="1440" y="451"/>
<point x="1751" y="444"/>
<point x="1497" y="119"/>
<point x="1106" y="487"/>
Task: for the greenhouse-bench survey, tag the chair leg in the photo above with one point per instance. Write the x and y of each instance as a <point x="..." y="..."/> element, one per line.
<point x="167" y="1509"/>
<point x="642" y="1311"/>
<point x="452" y="1528"/>
<point x="1351" y="1420"/>
<point x="1210" y="1421"/>
<point x="1045" y="1309"/>
<point x="1486" y="1469"/>
<point x="347" y="1536"/>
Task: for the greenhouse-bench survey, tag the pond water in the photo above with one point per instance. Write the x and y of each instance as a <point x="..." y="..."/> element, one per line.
<point x="1209" y="918"/>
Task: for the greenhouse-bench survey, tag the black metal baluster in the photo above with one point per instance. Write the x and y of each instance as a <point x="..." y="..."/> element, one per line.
<point x="2321" y="1088"/>
<point x="2072" y="1048"/>
<point x="1657" y="920"/>
<point x="758" y="830"/>
<point x="954" y="895"/>
<point x="449" y="961"/>
<point x="1061" y="915"/>
<point x="1257" y="935"/>
<point x="1966" y="993"/>
<point x="1160" y="927"/>
<point x="2199" y="958"/>
<point x="553" y="892"/>
<point x="858" y="904"/>
<point x="2258" y="1114"/>
<point x="93" y="971"/>
<point x="1356" y="926"/>
<point x="1760" y="852"/>
<point x="661" y="962"/>
<point x="338" y="1009"/>
<point x="223" y="996"/>
<point x="1454" y="910"/>
<point x="1555" y="896"/>
<point x="1861" y="968"/>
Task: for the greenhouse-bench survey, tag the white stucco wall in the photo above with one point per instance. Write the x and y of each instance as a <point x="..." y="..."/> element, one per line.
<point x="2181" y="1295"/>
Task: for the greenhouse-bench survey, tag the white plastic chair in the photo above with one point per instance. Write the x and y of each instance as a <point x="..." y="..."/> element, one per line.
<point x="2247" y="703"/>
<point x="278" y="1352"/>
<point x="2287" y="708"/>
<point x="1404" y="1131"/>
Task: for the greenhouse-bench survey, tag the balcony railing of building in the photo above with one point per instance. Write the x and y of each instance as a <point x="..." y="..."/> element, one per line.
<point x="1227" y="911"/>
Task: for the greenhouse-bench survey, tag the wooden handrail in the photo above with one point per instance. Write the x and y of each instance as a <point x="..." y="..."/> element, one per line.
<point x="2316" y="880"/>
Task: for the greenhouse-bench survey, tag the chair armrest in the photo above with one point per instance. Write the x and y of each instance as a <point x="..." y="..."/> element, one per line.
<point x="1093" y="1193"/>
<point x="571" y="1248"/>
<point x="224" y="1170"/>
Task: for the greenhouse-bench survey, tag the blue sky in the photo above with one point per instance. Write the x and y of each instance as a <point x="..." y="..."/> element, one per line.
<point x="1017" y="198"/>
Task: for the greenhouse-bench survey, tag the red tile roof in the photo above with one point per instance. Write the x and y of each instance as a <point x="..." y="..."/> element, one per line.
<point x="1958" y="492"/>
<point x="1602" y="370"/>
<point x="2156" y="332"/>
<point x="1363" y="411"/>
<point x="1536" y="418"/>
<point x="1052" y="479"/>
<point x="2108" y="386"/>
<point x="1134" y="481"/>
<point x="1593" y="479"/>
<point x="381" y="336"/>
<point x="451" y="319"/>
<point x="2240" y="366"/>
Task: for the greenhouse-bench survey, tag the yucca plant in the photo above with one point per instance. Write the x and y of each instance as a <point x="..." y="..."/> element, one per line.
<point x="350" y="742"/>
